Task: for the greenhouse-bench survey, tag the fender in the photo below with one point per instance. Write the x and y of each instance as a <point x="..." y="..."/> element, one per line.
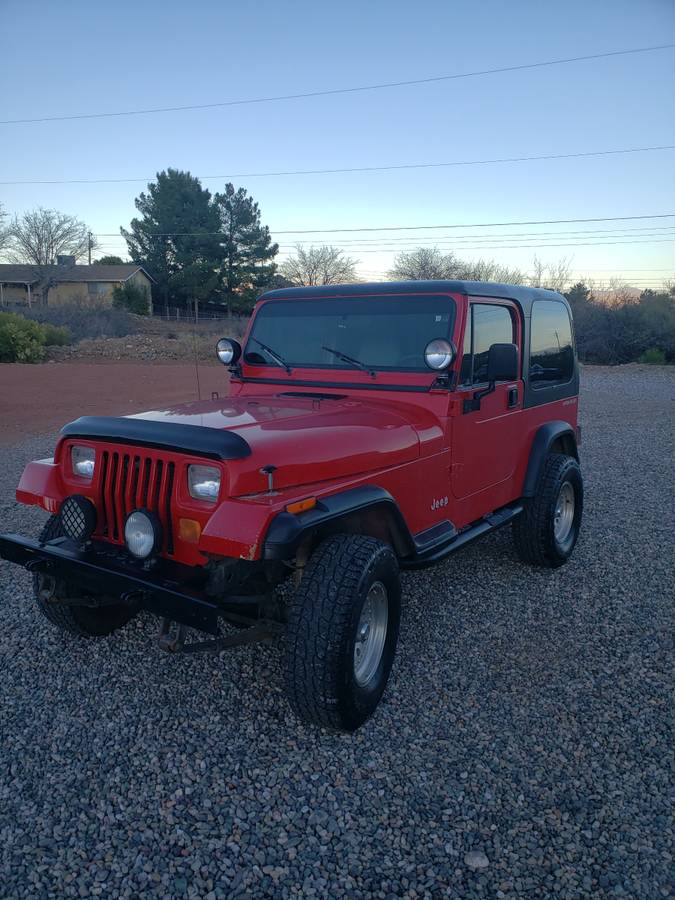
<point x="40" y="485"/>
<point x="544" y="439"/>
<point x="287" y="531"/>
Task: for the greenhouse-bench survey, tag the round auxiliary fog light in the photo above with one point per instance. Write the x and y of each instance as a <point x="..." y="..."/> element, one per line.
<point x="142" y="533"/>
<point x="78" y="518"/>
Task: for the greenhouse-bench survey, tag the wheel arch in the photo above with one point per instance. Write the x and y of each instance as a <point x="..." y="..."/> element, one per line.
<point x="552" y="437"/>
<point x="368" y="510"/>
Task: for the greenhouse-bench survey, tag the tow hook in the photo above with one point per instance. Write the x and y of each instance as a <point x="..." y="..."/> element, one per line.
<point x="171" y="636"/>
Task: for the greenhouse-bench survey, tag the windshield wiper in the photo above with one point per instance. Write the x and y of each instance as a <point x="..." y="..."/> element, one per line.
<point x="350" y="359"/>
<point x="275" y="356"/>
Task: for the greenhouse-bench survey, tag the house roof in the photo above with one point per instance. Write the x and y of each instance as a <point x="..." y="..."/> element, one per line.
<point x="27" y="274"/>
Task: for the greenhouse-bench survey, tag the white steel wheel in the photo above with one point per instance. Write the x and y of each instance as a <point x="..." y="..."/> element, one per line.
<point x="563" y="518"/>
<point x="371" y="634"/>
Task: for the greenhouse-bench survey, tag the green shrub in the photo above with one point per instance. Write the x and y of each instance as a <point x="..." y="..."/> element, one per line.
<point x="20" y="339"/>
<point x="133" y="298"/>
<point x="56" y="335"/>
<point x="653" y="357"/>
<point x="83" y="322"/>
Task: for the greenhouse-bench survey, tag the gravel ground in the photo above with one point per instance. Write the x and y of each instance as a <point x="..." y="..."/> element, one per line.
<point x="523" y="747"/>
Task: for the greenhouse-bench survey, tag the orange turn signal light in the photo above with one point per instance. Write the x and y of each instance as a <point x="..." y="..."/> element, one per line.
<point x="189" y="530"/>
<point x="301" y="505"/>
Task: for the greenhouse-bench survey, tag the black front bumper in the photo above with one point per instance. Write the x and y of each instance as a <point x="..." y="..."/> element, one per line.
<point x="167" y="589"/>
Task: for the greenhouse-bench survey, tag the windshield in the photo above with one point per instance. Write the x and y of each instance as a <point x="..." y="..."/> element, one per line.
<point x="378" y="333"/>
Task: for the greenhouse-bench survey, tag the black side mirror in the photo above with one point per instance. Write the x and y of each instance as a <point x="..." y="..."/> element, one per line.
<point x="502" y="363"/>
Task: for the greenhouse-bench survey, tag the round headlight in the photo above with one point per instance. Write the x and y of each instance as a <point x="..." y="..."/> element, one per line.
<point x="439" y="354"/>
<point x="228" y="351"/>
<point x="78" y="518"/>
<point x="142" y="533"/>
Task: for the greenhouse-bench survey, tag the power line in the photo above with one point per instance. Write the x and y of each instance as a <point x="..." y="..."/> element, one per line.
<point x="334" y="91"/>
<point x="536" y="246"/>
<point x="354" y="245"/>
<point x="461" y="245"/>
<point x="654" y="231"/>
<point x="361" y="169"/>
<point x="476" y="224"/>
<point x="413" y="227"/>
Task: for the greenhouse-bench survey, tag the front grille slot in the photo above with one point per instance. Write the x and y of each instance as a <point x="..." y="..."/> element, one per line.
<point x="131" y="481"/>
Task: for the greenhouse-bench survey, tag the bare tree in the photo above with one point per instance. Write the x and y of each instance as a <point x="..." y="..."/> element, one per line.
<point x="425" y="263"/>
<point x="620" y="292"/>
<point x="432" y="263"/>
<point x="4" y="230"/>
<point x="39" y="236"/>
<point x="489" y="270"/>
<point x="554" y="276"/>
<point x="319" y="265"/>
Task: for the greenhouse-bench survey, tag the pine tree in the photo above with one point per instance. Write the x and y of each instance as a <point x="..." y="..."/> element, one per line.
<point x="246" y="249"/>
<point x="176" y="238"/>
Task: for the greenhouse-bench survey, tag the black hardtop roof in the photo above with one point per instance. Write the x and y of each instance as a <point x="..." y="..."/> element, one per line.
<point x="523" y="295"/>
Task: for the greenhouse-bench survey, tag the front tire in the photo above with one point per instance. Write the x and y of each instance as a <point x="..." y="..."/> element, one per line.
<point x="546" y="532"/>
<point x="342" y="632"/>
<point x="82" y="621"/>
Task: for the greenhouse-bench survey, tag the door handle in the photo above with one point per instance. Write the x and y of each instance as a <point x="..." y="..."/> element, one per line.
<point x="512" y="397"/>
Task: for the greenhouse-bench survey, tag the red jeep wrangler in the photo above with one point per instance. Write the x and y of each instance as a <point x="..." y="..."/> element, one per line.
<point x="368" y="428"/>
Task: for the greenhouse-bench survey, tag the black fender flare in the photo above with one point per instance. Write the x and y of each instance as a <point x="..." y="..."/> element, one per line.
<point x="287" y="530"/>
<point x="544" y="439"/>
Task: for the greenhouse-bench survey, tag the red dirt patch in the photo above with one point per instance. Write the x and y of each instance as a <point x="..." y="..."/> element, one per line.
<point x="39" y="399"/>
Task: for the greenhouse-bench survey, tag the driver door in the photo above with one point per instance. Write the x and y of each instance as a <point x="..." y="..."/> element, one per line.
<point x="485" y="441"/>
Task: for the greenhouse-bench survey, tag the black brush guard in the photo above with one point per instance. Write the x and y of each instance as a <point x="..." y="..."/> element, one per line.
<point x="170" y="590"/>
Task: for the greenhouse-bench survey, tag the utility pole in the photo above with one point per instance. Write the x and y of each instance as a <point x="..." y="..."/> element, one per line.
<point x="89" y="243"/>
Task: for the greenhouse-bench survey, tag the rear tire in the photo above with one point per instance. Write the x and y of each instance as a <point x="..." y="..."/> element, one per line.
<point x="82" y="621"/>
<point x="342" y="632"/>
<point x="546" y="532"/>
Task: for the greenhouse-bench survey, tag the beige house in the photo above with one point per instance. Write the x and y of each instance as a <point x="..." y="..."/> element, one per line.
<point x="66" y="282"/>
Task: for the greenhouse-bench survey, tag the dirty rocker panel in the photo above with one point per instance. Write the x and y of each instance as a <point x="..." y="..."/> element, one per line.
<point x="200" y="441"/>
<point x="437" y="552"/>
<point x="166" y="591"/>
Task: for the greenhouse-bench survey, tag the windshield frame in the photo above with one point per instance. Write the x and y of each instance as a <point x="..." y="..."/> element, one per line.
<point x="446" y="331"/>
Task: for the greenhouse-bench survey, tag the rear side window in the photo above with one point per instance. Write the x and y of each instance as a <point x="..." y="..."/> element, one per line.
<point x="488" y="324"/>
<point x="551" y="348"/>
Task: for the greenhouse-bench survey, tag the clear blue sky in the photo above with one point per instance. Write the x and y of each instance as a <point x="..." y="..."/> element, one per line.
<point x="61" y="59"/>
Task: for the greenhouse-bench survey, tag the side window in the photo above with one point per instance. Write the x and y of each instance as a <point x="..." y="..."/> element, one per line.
<point x="551" y="349"/>
<point x="488" y="324"/>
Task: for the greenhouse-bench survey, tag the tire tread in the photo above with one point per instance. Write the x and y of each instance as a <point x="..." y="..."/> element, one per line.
<point x="532" y="529"/>
<point x="64" y="617"/>
<point x="319" y="616"/>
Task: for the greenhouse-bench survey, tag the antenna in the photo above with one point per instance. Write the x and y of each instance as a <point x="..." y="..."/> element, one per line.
<point x="194" y="347"/>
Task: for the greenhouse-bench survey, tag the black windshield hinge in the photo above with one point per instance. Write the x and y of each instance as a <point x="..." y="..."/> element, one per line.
<point x="473" y="403"/>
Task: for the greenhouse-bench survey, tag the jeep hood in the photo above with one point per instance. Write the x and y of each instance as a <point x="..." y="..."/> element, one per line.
<point x="309" y="439"/>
